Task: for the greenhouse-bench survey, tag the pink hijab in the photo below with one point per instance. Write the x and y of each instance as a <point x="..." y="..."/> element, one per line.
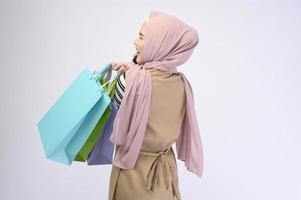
<point x="168" y="43"/>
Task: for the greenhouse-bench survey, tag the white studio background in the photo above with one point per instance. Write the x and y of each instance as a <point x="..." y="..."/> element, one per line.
<point x="245" y="75"/>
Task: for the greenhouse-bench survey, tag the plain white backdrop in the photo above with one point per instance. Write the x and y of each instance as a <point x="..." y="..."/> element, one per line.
<point x="245" y="75"/>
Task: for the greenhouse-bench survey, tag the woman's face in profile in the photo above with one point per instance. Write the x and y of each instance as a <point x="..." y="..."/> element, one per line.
<point x="139" y="44"/>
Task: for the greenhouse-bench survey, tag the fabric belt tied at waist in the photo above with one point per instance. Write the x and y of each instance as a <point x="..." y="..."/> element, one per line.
<point x="153" y="174"/>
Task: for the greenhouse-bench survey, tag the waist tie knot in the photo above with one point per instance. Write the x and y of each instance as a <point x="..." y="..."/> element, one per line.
<point x="153" y="173"/>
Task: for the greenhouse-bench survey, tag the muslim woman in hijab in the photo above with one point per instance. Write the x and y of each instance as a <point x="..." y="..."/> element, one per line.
<point x="155" y="110"/>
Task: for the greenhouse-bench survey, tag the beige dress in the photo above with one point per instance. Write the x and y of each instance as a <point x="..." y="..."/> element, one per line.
<point x="155" y="175"/>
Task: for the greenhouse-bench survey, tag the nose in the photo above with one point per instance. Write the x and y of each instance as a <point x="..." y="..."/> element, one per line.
<point x="135" y="43"/>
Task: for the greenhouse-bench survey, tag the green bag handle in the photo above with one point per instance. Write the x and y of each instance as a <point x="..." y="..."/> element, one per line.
<point x="103" y="71"/>
<point x="110" y="89"/>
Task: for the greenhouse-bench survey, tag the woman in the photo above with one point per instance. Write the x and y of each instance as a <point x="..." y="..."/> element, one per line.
<point x="156" y="111"/>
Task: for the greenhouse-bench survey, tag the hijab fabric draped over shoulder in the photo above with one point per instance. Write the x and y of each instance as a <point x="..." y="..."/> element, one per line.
<point x="168" y="43"/>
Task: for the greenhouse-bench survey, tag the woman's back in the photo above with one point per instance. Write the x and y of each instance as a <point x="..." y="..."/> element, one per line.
<point x="156" y="166"/>
<point x="167" y="110"/>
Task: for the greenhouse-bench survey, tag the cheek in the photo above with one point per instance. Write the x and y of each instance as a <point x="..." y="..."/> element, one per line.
<point x="139" y="58"/>
<point x="141" y="45"/>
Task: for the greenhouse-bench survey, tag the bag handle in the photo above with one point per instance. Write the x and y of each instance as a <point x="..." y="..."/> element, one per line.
<point x="102" y="71"/>
<point x="101" y="76"/>
<point x="111" y="86"/>
<point x="107" y="69"/>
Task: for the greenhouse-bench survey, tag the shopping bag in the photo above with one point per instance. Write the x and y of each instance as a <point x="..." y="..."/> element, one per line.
<point x="96" y="133"/>
<point x="102" y="152"/>
<point x="69" y="122"/>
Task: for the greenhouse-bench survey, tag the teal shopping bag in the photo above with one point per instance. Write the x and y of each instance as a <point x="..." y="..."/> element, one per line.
<point x="83" y="154"/>
<point x="67" y="125"/>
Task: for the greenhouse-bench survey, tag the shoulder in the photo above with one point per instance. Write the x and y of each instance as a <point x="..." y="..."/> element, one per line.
<point x="160" y="74"/>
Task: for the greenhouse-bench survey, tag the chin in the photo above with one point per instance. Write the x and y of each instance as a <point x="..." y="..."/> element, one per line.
<point x="138" y="59"/>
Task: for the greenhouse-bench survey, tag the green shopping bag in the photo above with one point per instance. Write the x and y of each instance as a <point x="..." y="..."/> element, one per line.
<point x="84" y="152"/>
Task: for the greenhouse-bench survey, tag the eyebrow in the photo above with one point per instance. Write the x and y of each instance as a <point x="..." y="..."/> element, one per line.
<point x="141" y="34"/>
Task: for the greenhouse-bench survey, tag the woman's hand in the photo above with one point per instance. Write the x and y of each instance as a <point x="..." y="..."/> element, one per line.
<point x="122" y="66"/>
